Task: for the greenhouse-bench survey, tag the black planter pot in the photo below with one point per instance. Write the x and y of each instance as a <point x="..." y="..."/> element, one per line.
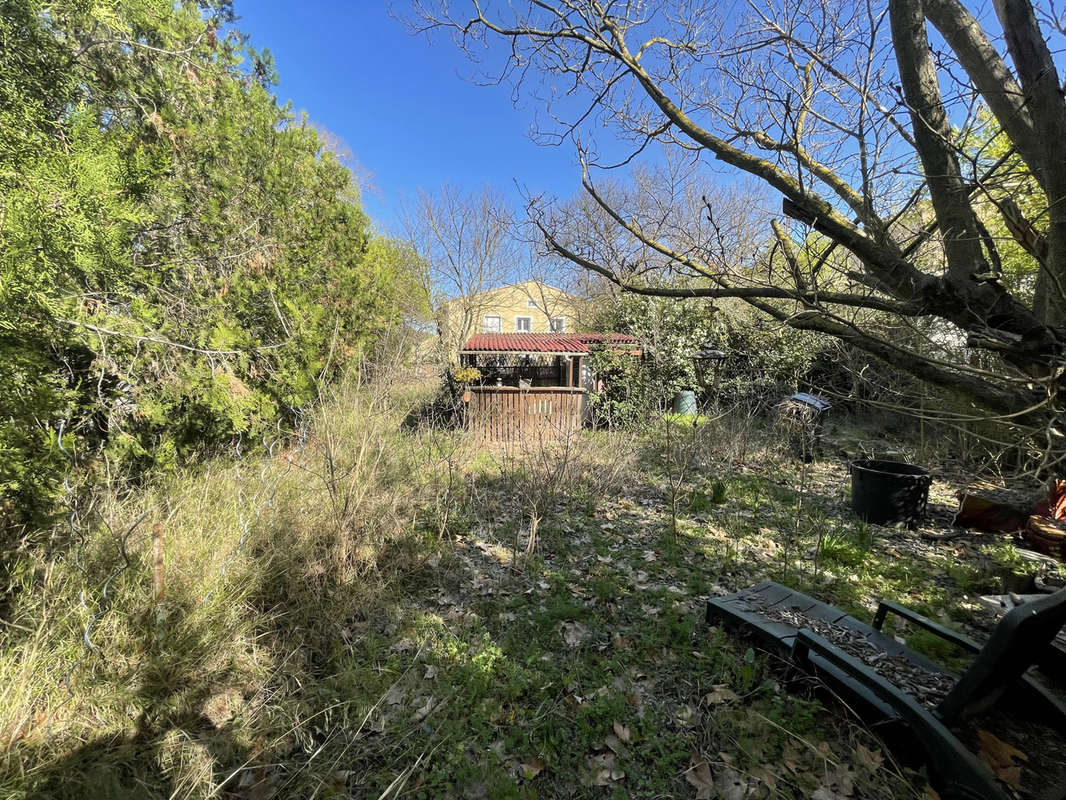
<point x="884" y="492"/>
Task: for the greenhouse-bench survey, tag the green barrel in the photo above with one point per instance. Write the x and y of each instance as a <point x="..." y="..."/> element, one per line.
<point x="685" y="402"/>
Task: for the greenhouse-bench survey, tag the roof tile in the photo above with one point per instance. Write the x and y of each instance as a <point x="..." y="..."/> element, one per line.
<point x="525" y="343"/>
<point x="558" y="343"/>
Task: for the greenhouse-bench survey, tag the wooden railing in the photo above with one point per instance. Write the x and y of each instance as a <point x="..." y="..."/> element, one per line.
<point x="505" y="413"/>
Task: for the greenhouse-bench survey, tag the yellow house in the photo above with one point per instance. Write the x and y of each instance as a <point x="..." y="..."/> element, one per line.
<point x="528" y="307"/>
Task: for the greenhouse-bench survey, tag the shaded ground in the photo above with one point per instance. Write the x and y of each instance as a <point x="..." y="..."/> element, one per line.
<point x="384" y="635"/>
<point x="589" y="673"/>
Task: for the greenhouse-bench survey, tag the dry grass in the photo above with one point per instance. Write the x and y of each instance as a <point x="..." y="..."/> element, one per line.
<point x="210" y="666"/>
<point x="346" y="616"/>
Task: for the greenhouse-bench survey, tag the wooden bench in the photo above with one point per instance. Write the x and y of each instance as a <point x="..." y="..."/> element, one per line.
<point x="785" y="620"/>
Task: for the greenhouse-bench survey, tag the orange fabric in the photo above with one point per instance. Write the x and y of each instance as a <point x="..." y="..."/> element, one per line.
<point x="1054" y="505"/>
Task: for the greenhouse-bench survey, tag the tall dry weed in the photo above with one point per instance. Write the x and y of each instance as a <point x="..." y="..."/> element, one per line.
<point x="108" y="683"/>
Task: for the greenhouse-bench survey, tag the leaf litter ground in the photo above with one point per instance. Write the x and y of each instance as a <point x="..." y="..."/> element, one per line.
<point x="588" y="672"/>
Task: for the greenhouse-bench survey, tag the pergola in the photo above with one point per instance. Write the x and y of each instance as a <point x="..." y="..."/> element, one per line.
<point x="531" y="383"/>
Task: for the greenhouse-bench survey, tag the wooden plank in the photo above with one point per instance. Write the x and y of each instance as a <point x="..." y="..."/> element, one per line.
<point x="510" y="413"/>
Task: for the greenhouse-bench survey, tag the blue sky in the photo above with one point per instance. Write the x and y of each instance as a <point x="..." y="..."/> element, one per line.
<point x="400" y="104"/>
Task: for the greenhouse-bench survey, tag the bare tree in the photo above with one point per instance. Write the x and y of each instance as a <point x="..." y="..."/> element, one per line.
<point x="468" y="243"/>
<point x="557" y="289"/>
<point x="861" y="123"/>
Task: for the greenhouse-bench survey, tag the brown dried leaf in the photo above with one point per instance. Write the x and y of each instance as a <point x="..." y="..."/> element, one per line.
<point x="254" y="784"/>
<point x="1002" y="759"/>
<point x="686" y="716"/>
<point x="699" y="775"/>
<point x="574" y="633"/>
<point x="731" y="785"/>
<point x="600" y="770"/>
<point x="532" y="768"/>
<point x="838" y="785"/>
<point x="423" y="712"/>
<point x="621" y="731"/>
<point x="395" y="695"/>
<point x="870" y="759"/>
<point x="794" y="759"/>
<point x="613" y="743"/>
<point x="767" y="776"/>
<point x="720" y="693"/>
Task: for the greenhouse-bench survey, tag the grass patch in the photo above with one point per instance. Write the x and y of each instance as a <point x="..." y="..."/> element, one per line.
<point x="361" y="612"/>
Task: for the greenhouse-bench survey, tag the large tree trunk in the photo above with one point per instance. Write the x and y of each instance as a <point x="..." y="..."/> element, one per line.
<point x="804" y="97"/>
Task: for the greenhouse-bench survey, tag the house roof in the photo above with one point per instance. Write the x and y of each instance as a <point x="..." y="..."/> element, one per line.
<point x="559" y="344"/>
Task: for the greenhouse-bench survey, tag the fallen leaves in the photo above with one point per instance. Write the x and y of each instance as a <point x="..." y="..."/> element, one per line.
<point x="723" y="782"/>
<point x="699" y="775"/>
<point x="719" y="694"/>
<point x="827" y="793"/>
<point x="838" y="784"/>
<point x="521" y="768"/>
<point x="601" y="770"/>
<point x="731" y="785"/>
<point x="574" y="633"/>
<point x="255" y="784"/>
<point x="424" y="710"/>
<point x="686" y="716"/>
<point x="395" y="695"/>
<point x="870" y="759"/>
<point x="624" y="591"/>
<point x="531" y="768"/>
<point x="614" y="744"/>
<point x="1003" y="759"/>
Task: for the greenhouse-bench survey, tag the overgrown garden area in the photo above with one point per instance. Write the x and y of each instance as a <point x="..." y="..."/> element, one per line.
<point x="258" y="541"/>
<point x="358" y="615"/>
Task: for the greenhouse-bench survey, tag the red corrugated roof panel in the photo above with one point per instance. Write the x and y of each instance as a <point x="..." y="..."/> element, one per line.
<point x="557" y="343"/>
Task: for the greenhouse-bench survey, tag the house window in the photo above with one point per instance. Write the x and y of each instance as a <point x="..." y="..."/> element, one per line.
<point x="531" y="303"/>
<point x="523" y="324"/>
<point x="492" y="323"/>
<point x="558" y="324"/>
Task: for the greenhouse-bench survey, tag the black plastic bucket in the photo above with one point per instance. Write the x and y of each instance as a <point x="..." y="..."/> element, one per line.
<point x="884" y="492"/>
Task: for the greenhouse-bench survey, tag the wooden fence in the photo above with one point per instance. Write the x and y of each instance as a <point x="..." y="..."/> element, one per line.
<point x="505" y="413"/>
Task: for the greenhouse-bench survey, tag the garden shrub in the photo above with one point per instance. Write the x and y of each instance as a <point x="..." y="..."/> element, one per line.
<point x="182" y="260"/>
<point x="764" y="361"/>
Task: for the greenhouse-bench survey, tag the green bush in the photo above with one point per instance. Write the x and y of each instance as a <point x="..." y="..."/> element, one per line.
<point x="670" y="332"/>
<point x="182" y="261"/>
<point x="764" y="360"/>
